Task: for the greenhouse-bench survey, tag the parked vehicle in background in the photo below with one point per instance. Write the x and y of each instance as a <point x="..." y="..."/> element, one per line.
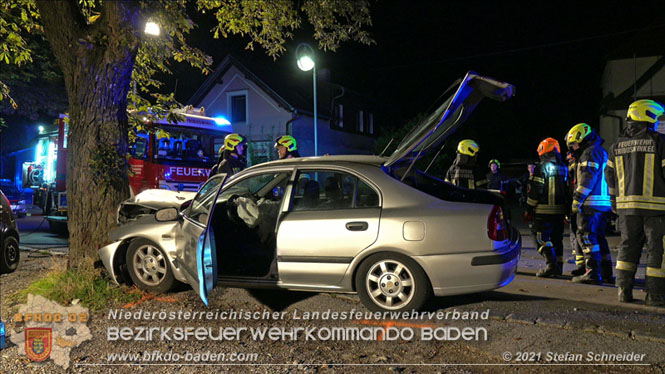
<point x="9" y="237"/>
<point x="175" y="156"/>
<point x="370" y="225"/>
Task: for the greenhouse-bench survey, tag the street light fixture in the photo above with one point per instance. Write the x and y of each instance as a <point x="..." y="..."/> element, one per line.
<point x="152" y="28"/>
<point x="305" y="59"/>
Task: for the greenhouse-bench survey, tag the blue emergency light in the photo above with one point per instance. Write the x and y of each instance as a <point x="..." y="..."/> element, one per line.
<point x="2" y="335"/>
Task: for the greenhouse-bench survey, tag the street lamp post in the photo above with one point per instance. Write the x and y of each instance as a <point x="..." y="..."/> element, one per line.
<point x="305" y="59"/>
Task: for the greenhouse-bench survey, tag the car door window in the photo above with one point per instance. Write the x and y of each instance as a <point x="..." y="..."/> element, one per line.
<point x="326" y="190"/>
<point x="269" y="185"/>
<point x="200" y="207"/>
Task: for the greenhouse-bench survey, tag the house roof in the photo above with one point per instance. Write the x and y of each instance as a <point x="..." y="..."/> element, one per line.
<point x="290" y="89"/>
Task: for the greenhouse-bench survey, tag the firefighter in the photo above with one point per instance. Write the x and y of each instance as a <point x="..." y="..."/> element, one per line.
<point x="286" y="147"/>
<point x="635" y="174"/>
<point x="572" y="218"/>
<point x="546" y="205"/>
<point x="463" y="172"/>
<point x="591" y="203"/>
<point x="232" y="156"/>
<point x="495" y="178"/>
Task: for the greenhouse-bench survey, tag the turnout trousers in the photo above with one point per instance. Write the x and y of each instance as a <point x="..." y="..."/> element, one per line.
<point x="549" y="238"/>
<point x="591" y="240"/>
<point x="635" y="231"/>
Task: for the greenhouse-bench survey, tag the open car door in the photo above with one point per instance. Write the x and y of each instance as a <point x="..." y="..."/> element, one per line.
<point x="199" y="255"/>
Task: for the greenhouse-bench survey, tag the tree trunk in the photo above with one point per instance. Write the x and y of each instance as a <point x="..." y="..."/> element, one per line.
<point x="97" y="62"/>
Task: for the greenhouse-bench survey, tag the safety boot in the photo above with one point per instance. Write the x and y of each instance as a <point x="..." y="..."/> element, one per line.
<point x="578" y="271"/>
<point x="549" y="271"/>
<point x="625" y="295"/>
<point x="590" y="277"/>
<point x="655" y="300"/>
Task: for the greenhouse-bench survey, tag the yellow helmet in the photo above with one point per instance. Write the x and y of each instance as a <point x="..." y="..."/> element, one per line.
<point x="577" y="133"/>
<point x="232" y="140"/>
<point x="645" y="111"/>
<point x="287" y="141"/>
<point x="468" y="147"/>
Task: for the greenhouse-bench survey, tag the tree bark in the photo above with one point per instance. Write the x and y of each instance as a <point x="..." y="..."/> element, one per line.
<point x="97" y="61"/>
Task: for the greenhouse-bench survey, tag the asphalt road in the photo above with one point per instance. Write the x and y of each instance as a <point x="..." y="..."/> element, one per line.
<point x="532" y="325"/>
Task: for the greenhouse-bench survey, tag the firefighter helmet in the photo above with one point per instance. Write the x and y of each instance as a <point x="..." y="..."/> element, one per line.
<point x="287" y="141"/>
<point x="548" y="145"/>
<point x="494" y="161"/>
<point x="468" y="147"/>
<point x="578" y="133"/>
<point x="232" y="140"/>
<point x="645" y="111"/>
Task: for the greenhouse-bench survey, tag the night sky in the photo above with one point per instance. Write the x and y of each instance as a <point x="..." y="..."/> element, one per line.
<point x="553" y="52"/>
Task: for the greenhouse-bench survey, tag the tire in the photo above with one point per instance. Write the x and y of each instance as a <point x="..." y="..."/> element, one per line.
<point x="148" y="267"/>
<point x="10" y="256"/>
<point x="375" y="283"/>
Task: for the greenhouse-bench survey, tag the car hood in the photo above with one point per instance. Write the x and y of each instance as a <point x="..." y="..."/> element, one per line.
<point x="158" y="199"/>
<point x="438" y="126"/>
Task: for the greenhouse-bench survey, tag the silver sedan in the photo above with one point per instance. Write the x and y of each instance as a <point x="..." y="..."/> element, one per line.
<point x="376" y="226"/>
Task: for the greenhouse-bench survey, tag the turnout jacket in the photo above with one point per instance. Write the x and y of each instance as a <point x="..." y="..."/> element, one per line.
<point x="230" y="165"/>
<point x="591" y="193"/>
<point x="548" y="192"/>
<point x="635" y="171"/>
<point x="464" y="173"/>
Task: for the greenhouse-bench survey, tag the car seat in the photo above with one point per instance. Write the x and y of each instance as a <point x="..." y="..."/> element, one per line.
<point x="310" y="197"/>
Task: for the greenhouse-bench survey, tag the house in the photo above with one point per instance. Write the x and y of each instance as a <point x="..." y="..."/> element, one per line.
<point x="635" y="71"/>
<point x="263" y="102"/>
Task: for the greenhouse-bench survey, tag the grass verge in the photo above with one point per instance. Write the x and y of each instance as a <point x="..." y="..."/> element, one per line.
<point x="89" y="286"/>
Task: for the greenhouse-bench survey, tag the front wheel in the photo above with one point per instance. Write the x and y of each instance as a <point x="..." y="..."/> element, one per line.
<point x="392" y="282"/>
<point x="148" y="267"/>
<point x="10" y="256"/>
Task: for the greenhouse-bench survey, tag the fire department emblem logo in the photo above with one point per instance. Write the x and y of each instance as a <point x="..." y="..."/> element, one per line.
<point x="38" y="343"/>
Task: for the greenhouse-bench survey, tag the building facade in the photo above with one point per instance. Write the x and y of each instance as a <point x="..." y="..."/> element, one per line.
<point x="263" y="103"/>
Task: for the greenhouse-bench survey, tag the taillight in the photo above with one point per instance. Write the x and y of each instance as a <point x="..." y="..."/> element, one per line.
<point x="497" y="228"/>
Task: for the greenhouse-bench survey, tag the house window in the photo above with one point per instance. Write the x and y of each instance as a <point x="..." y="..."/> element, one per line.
<point x="361" y="121"/>
<point x="238" y="108"/>
<point x="339" y="115"/>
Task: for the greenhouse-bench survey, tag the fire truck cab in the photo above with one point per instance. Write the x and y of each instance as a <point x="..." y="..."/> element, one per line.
<point x="174" y="156"/>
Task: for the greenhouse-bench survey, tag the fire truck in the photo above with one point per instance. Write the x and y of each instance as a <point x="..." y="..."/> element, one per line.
<point x="175" y="156"/>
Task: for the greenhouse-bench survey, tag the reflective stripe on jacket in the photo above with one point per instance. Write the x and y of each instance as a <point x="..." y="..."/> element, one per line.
<point x="635" y="172"/>
<point x="592" y="192"/>
<point x="547" y="188"/>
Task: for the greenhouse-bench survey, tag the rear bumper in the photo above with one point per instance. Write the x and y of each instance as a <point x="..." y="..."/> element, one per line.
<point x="453" y="274"/>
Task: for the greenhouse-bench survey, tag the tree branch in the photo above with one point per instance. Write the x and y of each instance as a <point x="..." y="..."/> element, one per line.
<point x="63" y="26"/>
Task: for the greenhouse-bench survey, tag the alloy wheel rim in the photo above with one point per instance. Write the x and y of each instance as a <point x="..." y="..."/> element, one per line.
<point x="12" y="252"/>
<point x="149" y="265"/>
<point x="390" y="284"/>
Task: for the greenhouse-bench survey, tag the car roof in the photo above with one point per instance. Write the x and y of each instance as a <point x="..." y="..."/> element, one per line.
<point x="303" y="161"/>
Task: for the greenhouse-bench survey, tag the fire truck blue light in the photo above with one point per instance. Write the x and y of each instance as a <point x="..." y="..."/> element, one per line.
<point x="221" y="121"/>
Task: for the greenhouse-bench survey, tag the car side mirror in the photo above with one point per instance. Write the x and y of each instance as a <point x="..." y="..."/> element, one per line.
<point x="166" y="214"/>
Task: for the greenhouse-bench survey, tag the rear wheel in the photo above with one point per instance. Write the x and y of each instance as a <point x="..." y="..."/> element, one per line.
<point x="392" y="282"/>
<point x="10" y="256"/>
<point x="148" y="266"/>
